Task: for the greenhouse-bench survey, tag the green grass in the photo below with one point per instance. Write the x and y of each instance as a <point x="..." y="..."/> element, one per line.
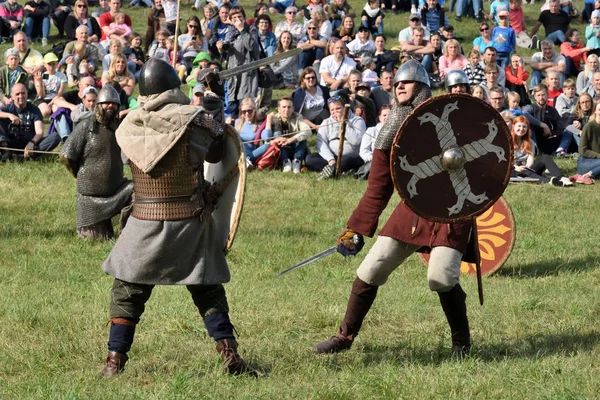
<point x="536" y="337"/>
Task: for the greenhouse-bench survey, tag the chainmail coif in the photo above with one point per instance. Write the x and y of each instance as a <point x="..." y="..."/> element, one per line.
<point x="398" y="114"/>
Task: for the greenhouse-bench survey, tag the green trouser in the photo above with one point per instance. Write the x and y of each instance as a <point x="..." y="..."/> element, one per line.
<point x="128" y="300"/>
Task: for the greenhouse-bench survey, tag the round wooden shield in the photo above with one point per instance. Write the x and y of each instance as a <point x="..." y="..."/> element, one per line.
<point x="451" y="158"/>
<point x="496" y="232"/>
<point x="230" y="177"/>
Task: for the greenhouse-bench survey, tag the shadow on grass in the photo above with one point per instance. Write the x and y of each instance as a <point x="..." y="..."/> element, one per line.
<point x="530" y="347"/>
<point x="549" y="268"/>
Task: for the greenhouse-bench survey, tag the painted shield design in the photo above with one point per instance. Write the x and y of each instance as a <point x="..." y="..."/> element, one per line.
<point x="452" y="157"/>
<point x="228" y="178"/>
<point x="496" y="232"/>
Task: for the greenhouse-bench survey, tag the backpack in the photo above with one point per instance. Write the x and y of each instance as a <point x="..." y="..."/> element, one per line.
<point x="270" y="158"/>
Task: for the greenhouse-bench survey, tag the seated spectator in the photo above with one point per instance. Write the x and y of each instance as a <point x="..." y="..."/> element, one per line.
<point x="588" y="163"/>
<point x="32" y="60"/>
<point x="334" y="69"/>
<point x="553" y="86"/>
<point x="11" y="74"/>
<point x="452" y="59"/>
<point x="104" y="7"/>
<point x="135" y="54"/>
<point x="328" y="142"/>
<point x="61" y="120"/>
<point x="513" y="99"/>
<point x="362" y="105"/>
<point x="311" y="5"/>
<point x="574" y="52"/>
<point x="267" y="39"/>
<point x="310" y="99"/>
<point x="86" y="108"/>
<point x="319" y="18"/>
<point x="584" y="78"/>
<point x="592" y="32"/>
<point x="218" y="28"/>
<point x="37" y="20"/>
<point x="248" y="128"/>
<point x="367" y="144"/>
<point x="372" y="17"/>
<point x="119" y="25"/>
<point x="260" y="9"/>
<point x="475" y="74"/>
<point x="159" y="47"/>
<point x="198" y="95"/>
<point x="419" y="49"/>
<point x="362" y="45"/>
<point x="291" y="134"/>
<point x="313" y="47"/>
<point x="287" y="68"/>
<point x="346" y="31"/>
<point x="385" y="59"/>
<point x="550" y="135"/>
<point x="11" y="17"/>
<point x="176" y="58"/>
<point x="337" y="11"/>
<point x="155" y="23"/>
<point x="79" y="17"/>
<point x="565" y="102"/>
<point x="209" y="13"/>
<point x="369" y="74"/>
<point x="383" y="95"/>
<point x="555" y="21"/>
<point x="170" y="7"/>
<point x="594" y="89"/>
<point x="480" y="93"/>
<point x="433" y="16"/>
<point x="49" y="85"/>
<point x="524" y="163"/>
<point x="290" y="25"/>
<point x="496" y="97"/>
<point x="108" y="18"/>
<point x="504" y="39"/>
<point x="484" y="41"/>
<point x="545" y="60"/>
<point x="405" y="35"/>
<point x="516" y="78"/>
<point x="492" y="71"/>
<point x="584" y="110"/>
<point x="118" y="72"/>
<point x="190" y="43"/>
<point x="22" y="127"/>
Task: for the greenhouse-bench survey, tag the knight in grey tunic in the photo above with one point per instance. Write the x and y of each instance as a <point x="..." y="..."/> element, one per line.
<point x="170" y="237"/>
<point x="93" y="156"/>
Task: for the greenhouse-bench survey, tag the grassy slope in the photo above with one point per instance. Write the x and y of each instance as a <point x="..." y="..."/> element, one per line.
<point x="536" y="336"/>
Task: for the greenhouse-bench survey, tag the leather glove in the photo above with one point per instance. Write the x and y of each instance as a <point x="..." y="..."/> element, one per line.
<point x="349" y="242"/>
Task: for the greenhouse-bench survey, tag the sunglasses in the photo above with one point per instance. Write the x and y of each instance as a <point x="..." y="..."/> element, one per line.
<point x="81" y="6"/>
<point x="312" y="28"/>
<point x="503" y="17"/>
<point x="484" y="29"/>
<point x="310" y="78"/>
<point x="334" y="98"/>
<point x="250" y="111"/>
<point x="193" y="26"/>
<point x="291" y="12"/>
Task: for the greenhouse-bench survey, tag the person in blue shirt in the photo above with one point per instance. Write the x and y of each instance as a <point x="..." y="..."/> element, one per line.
<point x="504" y="39"/>
<point x="248" y="127"/>
<point x="433" y="16"/>
<point x="267" y="39"/>
<point x="496" y="7"/>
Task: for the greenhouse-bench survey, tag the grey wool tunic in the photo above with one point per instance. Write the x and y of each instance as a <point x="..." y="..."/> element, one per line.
<point x="183" y="252"/>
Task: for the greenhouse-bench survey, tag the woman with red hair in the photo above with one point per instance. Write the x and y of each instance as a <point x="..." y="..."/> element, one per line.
<point x="524" y="163"/>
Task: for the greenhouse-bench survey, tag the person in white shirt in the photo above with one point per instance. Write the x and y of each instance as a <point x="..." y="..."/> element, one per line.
<point x="362" y="45"/>
<point x="367" y="144"/>
<point x="334" y="69"/>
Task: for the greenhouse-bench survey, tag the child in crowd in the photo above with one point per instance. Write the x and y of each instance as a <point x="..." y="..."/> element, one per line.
<point x="362" y="45"/>
<point x="79" y="66"/>
<point x="496" y="7"/>
<point x="524" y="163"/>
<point x="49" y="85"/>
<point x="159" y="49"/>
<point x="516" y="78"/>
<point x="480" y="93"/>
<point x="201" y="62"/>
<point x="592" y="31"/>
<point x="372" y="17"/>
<point x="119" y="23"/>
<point x="115" y="46"/>
<point x="565" y="102"/>
<point x="433" y="16"/>
<point x="517" y="22"/>
<point x="177" y="57"/>
<point x="369" y="75"/>
<point x="170" y="7"/>
<point x="136" y="54"/>
<point x="209" y="12"/>
<point x="553" y="85"/>
<point x="504" y="39"/>
<point x="513" y="99"/>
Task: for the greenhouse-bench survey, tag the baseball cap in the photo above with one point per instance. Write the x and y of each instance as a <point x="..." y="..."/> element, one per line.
<point x="363" y="29"/>
<point x="415" y="16"/>
<point x="11" y="52"/>
<point x="89" y="89"/>
<point x="362" y="85"/>
<point x="199" y="89"/>
<point x="50" y="57"/>
<point x="503" y="13"/>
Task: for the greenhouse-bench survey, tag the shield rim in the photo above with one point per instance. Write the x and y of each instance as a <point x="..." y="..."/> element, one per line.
<point x="241" y="192"/>
<point x="393" y="157"/>
<point x="502" y="260"/>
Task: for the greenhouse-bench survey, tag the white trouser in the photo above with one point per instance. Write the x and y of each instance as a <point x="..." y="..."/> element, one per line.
<point x="387" y="254"/>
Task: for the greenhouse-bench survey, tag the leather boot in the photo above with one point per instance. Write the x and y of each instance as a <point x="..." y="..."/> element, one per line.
<point x="232" y="361"/>
<point x="454" y="306"/>
<point x="361" y="299"/>
<point x="115" y="364"/>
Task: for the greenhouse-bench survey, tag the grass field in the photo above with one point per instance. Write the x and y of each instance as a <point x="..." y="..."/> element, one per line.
<point x="536" y="337"/>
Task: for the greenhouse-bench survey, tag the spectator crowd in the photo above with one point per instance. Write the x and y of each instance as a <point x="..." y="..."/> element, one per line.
<point x="345" y="59"/>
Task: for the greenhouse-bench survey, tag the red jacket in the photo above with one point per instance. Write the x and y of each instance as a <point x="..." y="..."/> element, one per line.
<point x="577" y="53"/>
<point x="365" y="218"/>
<point x="518" y="78"/>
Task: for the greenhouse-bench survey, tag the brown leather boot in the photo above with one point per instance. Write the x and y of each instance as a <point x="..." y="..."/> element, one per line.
<point x="115" y="364"/>
<point x="232" y="361"/>
<point x="335" y="344"/>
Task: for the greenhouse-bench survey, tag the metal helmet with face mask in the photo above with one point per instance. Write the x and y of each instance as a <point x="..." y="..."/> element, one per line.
<point x="456" y="77"/>
<point x="412" y="71"/>
<point x="108" y="94"/>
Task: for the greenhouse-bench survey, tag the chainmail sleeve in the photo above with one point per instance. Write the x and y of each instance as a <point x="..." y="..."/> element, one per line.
<point x="398" y="114"/>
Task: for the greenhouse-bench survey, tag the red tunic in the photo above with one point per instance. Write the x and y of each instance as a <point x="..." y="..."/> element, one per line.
<point x="365" y="218"/>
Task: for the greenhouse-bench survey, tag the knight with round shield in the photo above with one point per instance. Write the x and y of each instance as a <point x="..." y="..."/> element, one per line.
<point x="447" y="234"/>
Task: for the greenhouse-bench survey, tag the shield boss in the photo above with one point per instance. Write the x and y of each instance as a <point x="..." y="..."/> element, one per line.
<point x="452" y="158"/>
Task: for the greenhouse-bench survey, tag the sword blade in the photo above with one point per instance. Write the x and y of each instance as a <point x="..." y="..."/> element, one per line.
<point x="228" y="73"/>
<point x="309" y="260"/>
